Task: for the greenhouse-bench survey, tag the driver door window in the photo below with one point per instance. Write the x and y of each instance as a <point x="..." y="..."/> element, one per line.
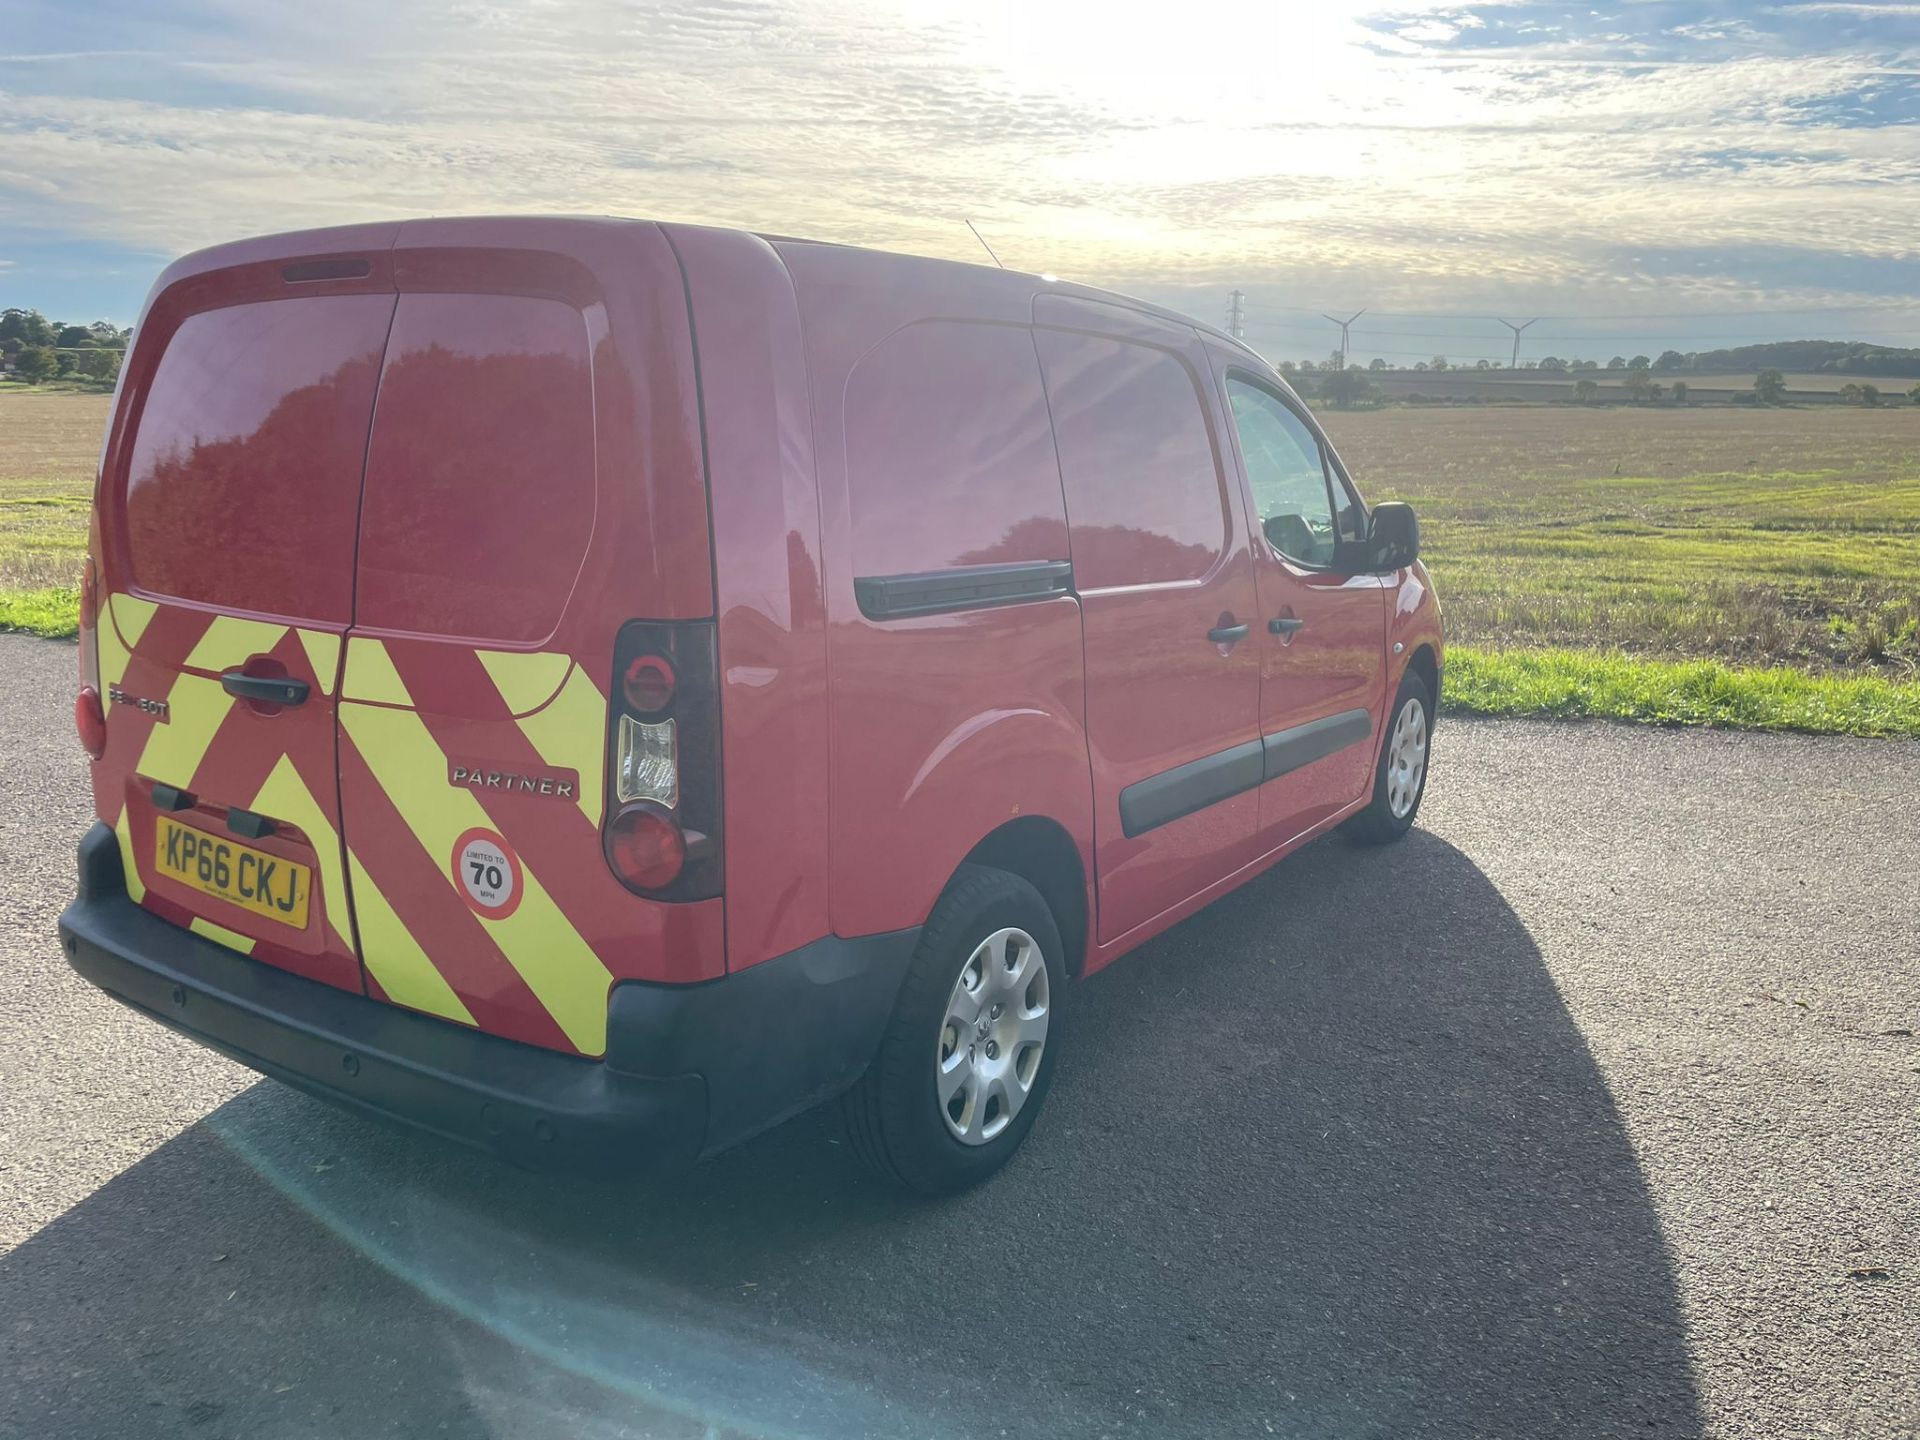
<point x="1287" y="474"/>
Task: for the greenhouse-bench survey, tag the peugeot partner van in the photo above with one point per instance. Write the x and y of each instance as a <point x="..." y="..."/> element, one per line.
<point x="593" y="689"/>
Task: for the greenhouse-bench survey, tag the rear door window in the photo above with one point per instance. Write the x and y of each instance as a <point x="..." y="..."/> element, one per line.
<point x="243" y="486"/>
<point x="1145" y="499"/>
<point x="480" y="474"/>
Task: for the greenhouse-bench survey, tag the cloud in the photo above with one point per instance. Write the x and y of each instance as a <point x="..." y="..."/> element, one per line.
<point x="1427" y="155"/>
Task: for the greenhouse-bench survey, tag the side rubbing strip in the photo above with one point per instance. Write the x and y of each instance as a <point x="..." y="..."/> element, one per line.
<point x="1186" y="788"/>
<point x="965" y="587"/>
<point x="1299" y="745"/>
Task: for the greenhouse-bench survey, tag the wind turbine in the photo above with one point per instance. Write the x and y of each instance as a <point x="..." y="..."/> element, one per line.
<point x="1344" y="326"/>
<point x="1516" y="329"/>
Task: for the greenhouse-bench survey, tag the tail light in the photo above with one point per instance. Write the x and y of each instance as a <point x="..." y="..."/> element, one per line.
<point x="662" y="836"/>
<point x="91" y="721"/>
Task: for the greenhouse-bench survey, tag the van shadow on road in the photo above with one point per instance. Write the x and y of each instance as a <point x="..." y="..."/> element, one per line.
<point x="1330" y="1158"/>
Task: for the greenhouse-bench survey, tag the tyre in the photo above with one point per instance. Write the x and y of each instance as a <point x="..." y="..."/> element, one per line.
<point x="968" y="1055"/>
<point x="1400" y="776"/>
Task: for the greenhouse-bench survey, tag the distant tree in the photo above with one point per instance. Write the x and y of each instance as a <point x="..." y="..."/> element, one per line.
<point x="65" y="362"/>
<point x="1869" y="395"/>
<point x="1654" y="392"/>
<point x="1421" y="366"/>
<point x="1639" y="362"/>
<point x="1618" y="362"/>
<point x="1287" y="367"/>
<point x="1530" y="365"/>
<point x="1336" y="361"/>
<point x="1769" y="387"/>
<point x="1638" y="384"/>
<point x="100" y="364"/>
<point x="1552" y="362"/>
<point x="1584" y="365"/>
<point x="29" y="327"/>
<point x="1585" y="392"/>
<point x="1680" y="392"/>
<point x="1913" y="395"/>
<point x="1439" y="362"/>
<point x="35" y="363"/>
<point x="1849" y="394"/>
<point x="1377" y="364"/>
<point x="1307" y="367"/>
<point x="73" y="337"/>
<point x="105" y="332"/>
<point x="1670" y="360"/>
<point x="1344" y="388"/>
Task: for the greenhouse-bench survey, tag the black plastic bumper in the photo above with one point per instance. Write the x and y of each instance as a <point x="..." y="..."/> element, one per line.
<point x="689" y="1069"/>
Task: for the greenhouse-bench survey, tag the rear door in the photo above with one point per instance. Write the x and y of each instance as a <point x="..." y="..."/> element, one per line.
<point x="228" y="508"/>
<point x="533" y="481"/>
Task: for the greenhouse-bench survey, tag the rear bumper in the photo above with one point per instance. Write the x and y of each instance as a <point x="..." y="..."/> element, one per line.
<point x="690" y="1069"/>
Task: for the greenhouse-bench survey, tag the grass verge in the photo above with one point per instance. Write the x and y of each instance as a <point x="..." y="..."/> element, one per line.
<point x="1606" y="686"/>
<point x="53" y="612"/>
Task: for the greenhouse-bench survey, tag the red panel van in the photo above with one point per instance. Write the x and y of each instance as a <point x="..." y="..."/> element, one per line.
<point x="594" y="689"/>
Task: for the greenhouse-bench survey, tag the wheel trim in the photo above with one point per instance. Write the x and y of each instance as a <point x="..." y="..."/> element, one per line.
<point x="992" y="1039"/>
<point x="1406" y="758"/>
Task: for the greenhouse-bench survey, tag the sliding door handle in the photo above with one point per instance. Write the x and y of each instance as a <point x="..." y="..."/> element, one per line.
<point x="1284" y="624"/>
<point x="1227" y="634"/>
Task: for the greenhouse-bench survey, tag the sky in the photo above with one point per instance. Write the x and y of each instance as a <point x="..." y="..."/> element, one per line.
<point x="1685" y="173"/>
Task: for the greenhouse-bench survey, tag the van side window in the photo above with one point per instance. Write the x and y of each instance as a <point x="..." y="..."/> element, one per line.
<point x="1288" y="475"/>
<point x="1145" y="499"/>
<point x="949" y="458"/>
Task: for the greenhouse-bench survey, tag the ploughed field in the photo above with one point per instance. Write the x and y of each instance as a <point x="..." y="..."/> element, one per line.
<point x="1624" y="535"/>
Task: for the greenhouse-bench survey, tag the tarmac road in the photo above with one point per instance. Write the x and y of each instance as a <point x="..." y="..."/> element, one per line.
<point x="1591" y="1109"/>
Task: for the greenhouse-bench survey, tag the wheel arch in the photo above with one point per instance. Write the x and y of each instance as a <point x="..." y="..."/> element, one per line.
<point x="1040" y="851"/>
<point x="1426" y="664"/>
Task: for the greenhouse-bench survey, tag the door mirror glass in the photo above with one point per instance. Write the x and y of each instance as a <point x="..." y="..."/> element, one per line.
<point x="1393" y="536"/>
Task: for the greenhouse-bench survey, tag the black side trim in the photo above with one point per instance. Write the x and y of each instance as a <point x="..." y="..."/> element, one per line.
<point x="1299" y="745"/>
<point x="1166" y="797"/>
<point x="965" y="587"/>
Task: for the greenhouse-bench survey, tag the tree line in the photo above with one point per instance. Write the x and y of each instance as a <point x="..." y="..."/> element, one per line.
<point x="34" y="348"/>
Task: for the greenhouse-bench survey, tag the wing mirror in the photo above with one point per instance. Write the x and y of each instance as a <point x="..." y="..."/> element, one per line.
<point x="1393" y="536"/>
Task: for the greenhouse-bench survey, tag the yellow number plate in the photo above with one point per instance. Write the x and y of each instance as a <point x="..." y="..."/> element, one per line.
<point x="239" y="874"/>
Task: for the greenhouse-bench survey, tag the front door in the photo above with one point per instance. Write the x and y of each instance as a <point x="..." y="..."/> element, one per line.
<point x="1322" y="626"/>
<point x="1161" y="563"/>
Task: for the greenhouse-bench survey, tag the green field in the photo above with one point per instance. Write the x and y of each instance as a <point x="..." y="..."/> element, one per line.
<point x="1724" y="566"/>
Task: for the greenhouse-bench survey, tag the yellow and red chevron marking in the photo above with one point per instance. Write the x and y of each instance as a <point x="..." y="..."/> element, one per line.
<point x="219" y="750"/>
<point x="367" y="800"/>
<point x="410" y="708"/>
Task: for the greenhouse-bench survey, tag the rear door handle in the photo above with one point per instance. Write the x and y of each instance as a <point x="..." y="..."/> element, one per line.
<point x="273" y="690"/>
<point x="1284" y="624"/>
<point x="1227" y="634"/>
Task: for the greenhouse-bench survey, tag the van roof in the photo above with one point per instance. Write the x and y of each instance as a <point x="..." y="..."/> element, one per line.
<point x="1025" y="280"/>
<point x="389" y="234"/>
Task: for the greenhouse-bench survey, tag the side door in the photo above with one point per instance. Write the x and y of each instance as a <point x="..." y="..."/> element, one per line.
<point x="1163" y="567"/>
<point x="1323" y="626"/>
